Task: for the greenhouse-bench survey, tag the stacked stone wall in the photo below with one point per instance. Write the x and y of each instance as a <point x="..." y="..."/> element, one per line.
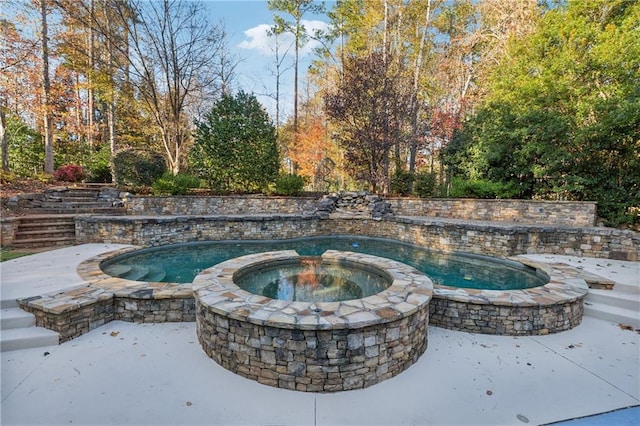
<point x="222" y="205"/>
<point x="501" y="240"/>
<point x="314" y="360"/>
<point x="504" y="320"/>
<point x="567" y="213"/>
<point x="7" y="230"/>
<point x="72" y="320"/>
<point x="154" y="310"/>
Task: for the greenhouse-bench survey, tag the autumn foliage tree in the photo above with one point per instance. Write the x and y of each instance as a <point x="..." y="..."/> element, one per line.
<point x="368" y="109"/>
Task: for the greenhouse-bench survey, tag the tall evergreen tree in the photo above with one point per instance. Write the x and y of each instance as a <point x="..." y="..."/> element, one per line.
<point x="235" y="147"/>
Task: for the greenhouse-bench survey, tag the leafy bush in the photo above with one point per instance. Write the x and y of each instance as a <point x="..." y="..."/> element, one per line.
<point x="70" y="173"/>
<point x="481" y="188"/>
<point x="98" y="167"/>
<point x="170" y="184"/>
<point x="6" y="177"/>
<point x="401" y="182"/>
<point x="425" y="184"/>
<point x="25" y="146"/>
<point x="288" y="184"/>
<point x="137" y="167"/>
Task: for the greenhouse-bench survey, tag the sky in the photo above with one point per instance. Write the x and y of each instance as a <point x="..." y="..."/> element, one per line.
<point x="246" y="23"/>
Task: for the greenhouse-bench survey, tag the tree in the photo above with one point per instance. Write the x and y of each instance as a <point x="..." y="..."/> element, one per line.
<point x="235" y="147"/>
<point x="296" y="9"/>
<point x="368" y="109"/>
<point x="169" y="55"/>
<point x="46" y="90"/>
<point x="562" y="111"/>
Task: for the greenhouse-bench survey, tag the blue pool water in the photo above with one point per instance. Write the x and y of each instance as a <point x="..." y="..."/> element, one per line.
<point x="180" y="263"/>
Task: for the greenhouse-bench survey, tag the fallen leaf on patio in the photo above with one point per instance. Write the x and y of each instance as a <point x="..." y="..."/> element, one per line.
<point x="114" y="333"/>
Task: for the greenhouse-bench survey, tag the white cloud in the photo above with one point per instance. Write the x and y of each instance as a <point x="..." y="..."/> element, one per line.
<point x="257" y="38"/>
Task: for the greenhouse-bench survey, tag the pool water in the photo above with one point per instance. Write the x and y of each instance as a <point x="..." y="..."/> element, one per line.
<point x="309" y="279"/>
<point x="180" y="263"/>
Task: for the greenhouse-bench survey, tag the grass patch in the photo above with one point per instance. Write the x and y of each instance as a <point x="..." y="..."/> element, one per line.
<point x="8" y="254"/>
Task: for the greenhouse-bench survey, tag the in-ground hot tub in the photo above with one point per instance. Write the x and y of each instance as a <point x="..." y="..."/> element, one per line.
<point x="316" y="346"/>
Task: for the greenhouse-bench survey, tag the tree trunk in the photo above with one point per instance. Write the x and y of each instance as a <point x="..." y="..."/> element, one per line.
<point x="295" y="80"/>
<point x="46" y="90"/>
<point x="415" y="110"/>
<point x="90" y="100"/>
<point x="3" y="138"/>
<point x="111" y="107"/>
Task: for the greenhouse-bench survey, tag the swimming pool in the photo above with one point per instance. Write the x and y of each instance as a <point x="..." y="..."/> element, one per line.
<point x="180" y="263"/>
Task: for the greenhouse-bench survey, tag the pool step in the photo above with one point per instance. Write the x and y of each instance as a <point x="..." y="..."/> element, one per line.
<point x="137" y="272"/>
<point x="155" y="274"/>
<point x="18" y="331"/>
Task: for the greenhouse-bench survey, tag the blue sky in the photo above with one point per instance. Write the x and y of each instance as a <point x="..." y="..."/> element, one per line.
<point x="246" y="22"/>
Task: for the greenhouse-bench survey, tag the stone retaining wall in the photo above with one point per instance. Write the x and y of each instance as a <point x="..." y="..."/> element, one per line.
<point x="7" y="231"/>
<point x="565" y="213"/>
<point x="222" y="205"/>
<point x="504" y="320"/>
<point x="502" y="240"/>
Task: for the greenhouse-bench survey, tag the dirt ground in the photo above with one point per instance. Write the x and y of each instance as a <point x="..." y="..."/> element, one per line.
<point x="24" y="186"/>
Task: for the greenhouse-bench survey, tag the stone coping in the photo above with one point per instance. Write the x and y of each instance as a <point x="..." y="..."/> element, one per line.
<point x="410" y="289"/>
<point x="565" y="285"/>
<point x="100" y="286"/>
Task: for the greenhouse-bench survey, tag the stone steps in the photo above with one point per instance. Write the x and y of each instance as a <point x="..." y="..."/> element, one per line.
<point x="74" y="200"/>
<point x="77" y="210"/>
<point x="18" y="330"/>
<point x="35" y="243"/>
<point x="620" y="305"/>
<point x="43" y="231"/>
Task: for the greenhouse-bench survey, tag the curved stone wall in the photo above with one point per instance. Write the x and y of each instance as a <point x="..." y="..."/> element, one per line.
<point x="313" y="346"/>
<point x="554" y="307"/>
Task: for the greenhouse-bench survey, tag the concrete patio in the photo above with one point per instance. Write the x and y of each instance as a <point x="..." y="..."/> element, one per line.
<point x="125" y="373"/>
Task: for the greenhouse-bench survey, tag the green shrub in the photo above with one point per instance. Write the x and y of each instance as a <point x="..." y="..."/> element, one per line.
<point x="25" y="147"/>
<point x="288" y="184"/>
<point x="170" y="184"/>
<point x="137" y="167"/>
<point x="98" y="167"/>
<point x="6" y="177"/>
<point x="425" y="184"/>
<point x="401" y="182"/>
<point x="482" y="188"/>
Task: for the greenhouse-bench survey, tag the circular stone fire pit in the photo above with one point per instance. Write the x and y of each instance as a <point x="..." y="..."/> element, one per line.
<point x="313" y="346"/>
